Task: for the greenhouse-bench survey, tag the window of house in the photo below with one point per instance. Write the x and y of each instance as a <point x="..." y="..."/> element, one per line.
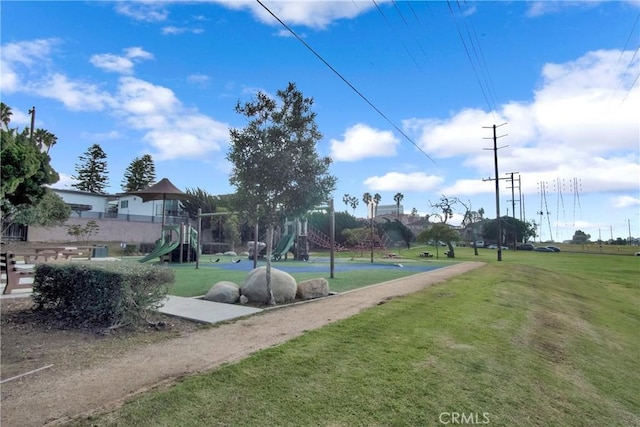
<point x="124" y="204"/>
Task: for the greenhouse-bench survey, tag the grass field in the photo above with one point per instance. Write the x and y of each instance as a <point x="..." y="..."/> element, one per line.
<point x="537" y="339"/>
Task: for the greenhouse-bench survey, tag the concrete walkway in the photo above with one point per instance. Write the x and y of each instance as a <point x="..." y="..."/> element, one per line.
<point x="200" y="310"/>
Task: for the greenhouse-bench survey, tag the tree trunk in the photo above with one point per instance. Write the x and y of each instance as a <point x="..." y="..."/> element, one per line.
<point x="270" y="300"/>
<point x="451" y="253"/>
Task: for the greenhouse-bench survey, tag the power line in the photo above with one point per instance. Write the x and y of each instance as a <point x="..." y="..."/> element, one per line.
<point x="473" y="66"/>
<point x="376" y="109"/>
<point x="398" y="37"/>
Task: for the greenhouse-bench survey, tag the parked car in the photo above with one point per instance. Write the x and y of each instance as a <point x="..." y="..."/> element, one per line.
<point x="553" y="248"/>
<point x="525" y="247"/>
<point x="542" y="249"/>
<point x="504" y="248"/>
<point x="480" y="243"/>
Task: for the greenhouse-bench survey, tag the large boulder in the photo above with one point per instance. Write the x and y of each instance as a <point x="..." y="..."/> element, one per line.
<point x="227" y="292"/>
<point x="313" y="288"/>
<point x="283" y="286"/>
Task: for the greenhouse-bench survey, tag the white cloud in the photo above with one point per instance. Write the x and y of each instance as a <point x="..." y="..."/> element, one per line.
<point x="149" y="11"/>
<point x="361" y="142"/>
<point x="625" y="201"/>
<point x="396" y="181"/>
<point x="17" y="60"/>
<point x="575" y="126"/>
<point x="136" y="52"/>
<point x="120" y="64"/>
<point x="546" y="7"/>
<point x="315" y="14"/>
<point x="171" y="30"/>
<point x="77" y="96"/>
<point x="114" y="63"/>
<point x="172" y="130"/>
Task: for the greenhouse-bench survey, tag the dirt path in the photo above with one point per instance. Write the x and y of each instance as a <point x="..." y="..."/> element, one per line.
<point x="52" y="397"/>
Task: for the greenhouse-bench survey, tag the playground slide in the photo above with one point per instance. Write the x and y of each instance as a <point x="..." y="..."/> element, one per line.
<point x="283" y="246"/>
<point x="162" y="248"/>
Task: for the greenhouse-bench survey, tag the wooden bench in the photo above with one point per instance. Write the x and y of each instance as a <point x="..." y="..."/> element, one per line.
<point x="426" y="255"/>
<point x="13" y="274"/>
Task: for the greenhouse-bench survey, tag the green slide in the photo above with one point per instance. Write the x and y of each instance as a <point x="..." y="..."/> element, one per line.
<point x="162" y="247"/>
<point x="283" y="246"/>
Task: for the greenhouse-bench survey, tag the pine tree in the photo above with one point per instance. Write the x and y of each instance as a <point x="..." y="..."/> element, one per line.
<point x="92" y="173"/>
<point x="140" y="174"/>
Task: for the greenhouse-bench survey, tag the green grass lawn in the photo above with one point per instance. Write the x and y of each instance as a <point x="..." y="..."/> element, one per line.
<point x="538" y="339"/>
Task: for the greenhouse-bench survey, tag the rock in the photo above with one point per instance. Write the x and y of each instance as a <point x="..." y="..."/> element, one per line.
<point x="283" y="286"/>
<point x="227" y="292"/>
<point x="243" y="299"/>
<point x="313" y="288"/>
<point x="230" y="253"/>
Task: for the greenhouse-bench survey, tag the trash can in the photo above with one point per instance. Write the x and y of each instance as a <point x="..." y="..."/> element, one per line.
<point x="100" y="252"/>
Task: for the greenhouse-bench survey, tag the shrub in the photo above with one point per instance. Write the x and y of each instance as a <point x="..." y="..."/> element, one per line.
<point x="146" y="248"/>
<point x="101" y="294"/>
<point x="130" y="249"/>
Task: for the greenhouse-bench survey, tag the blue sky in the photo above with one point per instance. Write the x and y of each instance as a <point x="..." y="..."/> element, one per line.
<point x="163" y="78"/>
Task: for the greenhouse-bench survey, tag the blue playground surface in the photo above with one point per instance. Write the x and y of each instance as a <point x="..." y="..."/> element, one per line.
<point x="311" y="266"/>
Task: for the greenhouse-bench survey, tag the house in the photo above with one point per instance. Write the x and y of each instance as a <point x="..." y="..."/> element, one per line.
<point x="86" y="204"/>
<point x="121" y="206"/>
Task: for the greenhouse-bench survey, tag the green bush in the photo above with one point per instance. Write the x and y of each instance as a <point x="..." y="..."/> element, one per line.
<point x="130" y="249"/>
<point x="101" y="294"/>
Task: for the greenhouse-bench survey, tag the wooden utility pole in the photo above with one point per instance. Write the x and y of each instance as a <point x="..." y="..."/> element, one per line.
<point x="32" y="111"/>
<point x="497" y="180"/>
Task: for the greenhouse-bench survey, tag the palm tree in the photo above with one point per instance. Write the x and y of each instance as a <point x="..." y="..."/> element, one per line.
<point x="353" y="202"/>
<point x="376" y="202"/>
<point x="345" y="199"/>
<point x="398" y="198"/>
<point x="5" y="114"/>
<point x="366" y="198"/>
<point x="44" y="138"/>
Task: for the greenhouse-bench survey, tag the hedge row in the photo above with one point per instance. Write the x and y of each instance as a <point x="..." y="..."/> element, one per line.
<point x="101" y="294"/>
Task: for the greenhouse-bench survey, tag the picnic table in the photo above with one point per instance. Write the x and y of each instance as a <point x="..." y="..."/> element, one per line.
<point x="60" y="252"/>
<point x="426" y="255"/>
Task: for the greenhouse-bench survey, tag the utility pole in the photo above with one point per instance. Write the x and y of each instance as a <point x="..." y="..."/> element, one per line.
<point x="520" y="197"/>
<point x="32" y="111"/>
<point x="513" y="207"/>
<point x="497" y="179"/>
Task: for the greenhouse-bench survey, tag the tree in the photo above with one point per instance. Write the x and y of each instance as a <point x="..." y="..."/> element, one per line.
<point x="209" y="203"/>
<point x="50" y="211"/>
<point x="92" y="173"/>
<point x="439" y="232"/>
<point x="443" y="209"/>
<point x="231" y="231"/>
<point x="25" y="172"/>
<point x="44" y="139"/>
<point x="366" y="198"/>
<point x="140" y="174"/>
<point x="398" y="198"/>
<point x="5" y="115"/>
<point x="398" y="231"/>
<point x="353" y="202"/>
<point x="345" y="200"/>
<point x="580" y="237"/>
<point x="277" y="171"/>
<point x="513" y="230"/>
